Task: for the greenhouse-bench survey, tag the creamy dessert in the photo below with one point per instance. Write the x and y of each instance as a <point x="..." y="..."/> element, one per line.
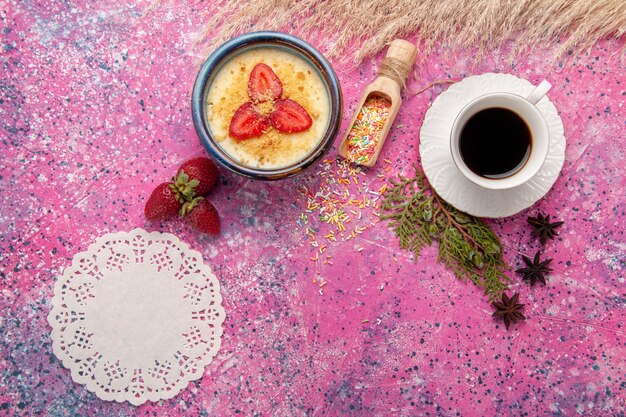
<point x="276" y="127"/>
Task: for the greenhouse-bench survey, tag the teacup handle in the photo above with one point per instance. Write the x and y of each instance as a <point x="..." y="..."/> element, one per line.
<point x="540" y="91"/>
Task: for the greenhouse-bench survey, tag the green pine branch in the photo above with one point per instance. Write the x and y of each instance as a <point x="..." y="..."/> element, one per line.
<point x="467" y="246"/>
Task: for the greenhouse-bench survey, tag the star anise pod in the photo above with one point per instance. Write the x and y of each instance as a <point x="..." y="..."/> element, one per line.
<point x="543" y="228"/>
<point x="535" y="270"/>
<point x="509" y="309"/>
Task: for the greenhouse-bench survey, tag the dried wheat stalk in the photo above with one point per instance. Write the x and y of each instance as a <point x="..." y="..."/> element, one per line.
<point x="480" y="25"/>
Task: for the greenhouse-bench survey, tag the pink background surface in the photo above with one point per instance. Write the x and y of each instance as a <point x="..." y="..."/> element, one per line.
<point x="95" y="112"/>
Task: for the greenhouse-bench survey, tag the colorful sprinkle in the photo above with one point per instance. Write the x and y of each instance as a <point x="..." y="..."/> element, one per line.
<point x="365" y="132"/>
<point x="338" y="208"/>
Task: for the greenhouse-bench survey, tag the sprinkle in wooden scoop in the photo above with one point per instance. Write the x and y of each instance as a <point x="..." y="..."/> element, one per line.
<point x="365" y="132"/>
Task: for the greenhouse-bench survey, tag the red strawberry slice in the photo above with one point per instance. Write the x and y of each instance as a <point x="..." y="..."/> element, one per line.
<point x="289" y="117"/>
<point x="247" y="123"/>
<point x="164" y="202"/>
<point x="202" y="215"/>
<point x="264" y="84"/>
<point x="202" y="175"/>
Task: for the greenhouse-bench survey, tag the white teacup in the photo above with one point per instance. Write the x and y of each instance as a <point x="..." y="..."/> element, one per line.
<point x="525" y="108"/>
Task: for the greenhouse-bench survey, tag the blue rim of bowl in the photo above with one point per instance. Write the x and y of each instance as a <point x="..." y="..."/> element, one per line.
<point x="200" y="90"/>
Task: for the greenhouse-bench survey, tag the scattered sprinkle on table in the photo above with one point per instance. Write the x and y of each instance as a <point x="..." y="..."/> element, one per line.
<point x="339" y="207"/>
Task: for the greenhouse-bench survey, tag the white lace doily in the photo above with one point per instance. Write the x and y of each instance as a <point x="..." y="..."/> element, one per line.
<point x="136" y="316"/>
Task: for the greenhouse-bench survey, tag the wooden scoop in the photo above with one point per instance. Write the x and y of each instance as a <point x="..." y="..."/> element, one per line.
<point x="366" y="133"/>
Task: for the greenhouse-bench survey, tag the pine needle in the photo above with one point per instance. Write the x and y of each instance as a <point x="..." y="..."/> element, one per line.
<point x="467" y="246"/>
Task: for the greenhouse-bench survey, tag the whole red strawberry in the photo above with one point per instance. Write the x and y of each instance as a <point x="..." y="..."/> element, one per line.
<point x="165" y="201"/>
<point x="196" y="177"/>
<point x="201" y="214"/>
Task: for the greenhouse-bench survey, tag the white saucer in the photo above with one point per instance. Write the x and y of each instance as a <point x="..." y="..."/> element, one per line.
<point x="445" y="177"/>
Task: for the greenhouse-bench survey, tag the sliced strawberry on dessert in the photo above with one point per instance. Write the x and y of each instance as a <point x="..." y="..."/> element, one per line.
<point x="202" y="215"/>
<point x="289" y="116"/>
<point x="247" y="122"/>
<point x="264" y="84"/>
<point x="165" y="201"/>
<point x="201" y="176"/>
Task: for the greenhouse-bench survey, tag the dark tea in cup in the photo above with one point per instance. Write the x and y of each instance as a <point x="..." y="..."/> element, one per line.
<point x="495" y="143"/>
<point x="500" y="140"/>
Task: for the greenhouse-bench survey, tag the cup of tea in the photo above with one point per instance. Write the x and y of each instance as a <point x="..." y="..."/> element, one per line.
<point x="501" y="140"/>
